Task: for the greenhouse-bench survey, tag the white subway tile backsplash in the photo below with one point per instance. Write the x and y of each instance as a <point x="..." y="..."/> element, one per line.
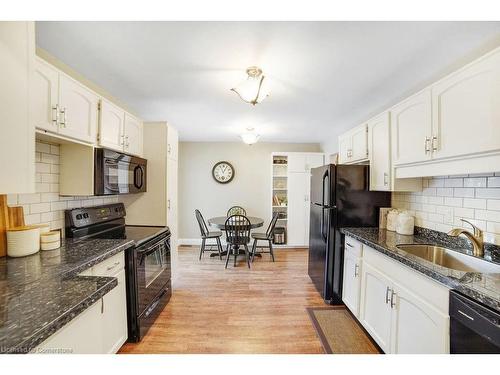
<point x="454" y="182"/>
<point x="446" y="199"/>
<point x="488" y="193"/>
<point x="494" y="182"/>
<point x="475" y="182"/>
<point x="28" y="198"/>
<point x="475" y="203"/>
<point x="493" y="204"/>
<point x="464" y="192"/>
<point x="46" y="205"/>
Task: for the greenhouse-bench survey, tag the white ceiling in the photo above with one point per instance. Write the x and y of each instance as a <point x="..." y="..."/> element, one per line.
<point x="324" y="77"/>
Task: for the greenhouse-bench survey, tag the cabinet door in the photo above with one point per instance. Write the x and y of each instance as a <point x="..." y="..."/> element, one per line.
<point x="114" y="316"/>
<point x="375" y="311"/>
<point x="411" y="129"/>
<point x="172" y="211"/>
<point x="133" y="135"/>
<point x="297" y="162"/>
<point x="297" y="203"/>
<point x="314" y="161"/>
<point x="466" y="110"/>
<point x="111" y="126"/>
<point x="344" y="148"/>
<point x="351" y="283"/>
<point x="79" y="110"/>
<point x="17" y="144"/>
<point x="417" y="327"/>
<point x="80" y="336"/>
<point x="359" y="146"/>
<point x="45" y="110"/>
<point x="172" y="143"/>
<point x="379" y="134"/>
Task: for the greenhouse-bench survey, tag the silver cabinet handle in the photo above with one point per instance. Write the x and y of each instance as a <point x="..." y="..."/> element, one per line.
<point x="169" y="149"/>
<point x="427" y="145"/>
<point x="55" y="114"/>
<point x="386" y="178"/>
<point x="63" y="113"/>
<point x="387" y="298"/>
<point x="434" y="143"/>
<point x="348" y="244"/>
<point x="113" y="266"/>
<point x="102" y="305"/>
<point x="168" y="204"/>
<point x="393" y="301"/>
<point x="356" y="270"/>
<point x="127" y="143"/>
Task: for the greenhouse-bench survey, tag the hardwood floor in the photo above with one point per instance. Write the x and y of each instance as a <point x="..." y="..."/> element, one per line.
<point x="237" y="310"/>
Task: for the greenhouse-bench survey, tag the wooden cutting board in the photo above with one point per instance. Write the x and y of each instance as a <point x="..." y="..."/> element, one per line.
<point x="4" y="224"/>
<point x="16" y="217"/>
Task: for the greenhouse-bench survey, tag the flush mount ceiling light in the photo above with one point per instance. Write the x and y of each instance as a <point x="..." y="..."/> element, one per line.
<point x="252" y="90"/>
<point x="250" y="137"/>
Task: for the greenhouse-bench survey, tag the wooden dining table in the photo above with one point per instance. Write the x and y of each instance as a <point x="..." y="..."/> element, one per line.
<point x="220" y="223"/>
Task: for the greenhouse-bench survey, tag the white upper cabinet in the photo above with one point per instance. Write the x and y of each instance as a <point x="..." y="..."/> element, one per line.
<point x="359" y="144"/>
<point x="172" y="143"/>
<point x="304" y="161"/>
<point x="45" y="107"/>
<point x="411" y="123"/>
<point x="353" y="145"/>
<point x="379" y="135"/>
<point x="17" y="143"/>
<point x="78" y="106"/>
<point x="466" y="110"/>
<point x="133" y="135"/>
<point x="111" y="126"/>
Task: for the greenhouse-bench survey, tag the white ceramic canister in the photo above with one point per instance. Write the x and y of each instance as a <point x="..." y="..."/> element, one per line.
<point x="23" y="241"/>
<point x="405" y="223"/>
<point x="392" y="217"/>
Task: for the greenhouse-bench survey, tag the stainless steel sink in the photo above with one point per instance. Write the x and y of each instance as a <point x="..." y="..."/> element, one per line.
<point x="450" y="258"/>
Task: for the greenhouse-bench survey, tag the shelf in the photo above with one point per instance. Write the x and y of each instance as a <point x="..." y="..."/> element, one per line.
<point x="281" y="189"/>
<point x="280" y="176"/>
<point x="280" y="206"/>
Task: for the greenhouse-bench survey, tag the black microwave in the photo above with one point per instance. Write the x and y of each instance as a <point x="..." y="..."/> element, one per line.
<point x="118" y="173"/>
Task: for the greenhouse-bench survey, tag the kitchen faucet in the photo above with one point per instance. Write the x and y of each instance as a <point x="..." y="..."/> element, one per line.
<point x="476" y="238"/>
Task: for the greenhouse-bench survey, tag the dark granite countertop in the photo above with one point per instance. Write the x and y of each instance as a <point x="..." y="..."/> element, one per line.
<point x="481" y="287"/>
<point x="42" y="292"/>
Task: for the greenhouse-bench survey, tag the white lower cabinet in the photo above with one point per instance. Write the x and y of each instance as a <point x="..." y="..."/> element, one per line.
<point x="101" y="328"/>
<point x="417" y="327"/>
<point x="375" y="314"/>
<point x="403" y="311"/>
<point x="351" y="284"/>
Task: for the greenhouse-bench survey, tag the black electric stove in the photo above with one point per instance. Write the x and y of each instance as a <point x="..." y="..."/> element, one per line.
<point x="148" y="267"/>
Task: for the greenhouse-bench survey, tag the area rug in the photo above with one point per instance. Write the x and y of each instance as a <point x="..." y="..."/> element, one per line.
<point x="339" y="332"/>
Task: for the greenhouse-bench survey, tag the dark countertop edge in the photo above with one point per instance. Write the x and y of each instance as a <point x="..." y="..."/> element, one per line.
<point x="41" y="335"/>
<point x="445" y="280"/>
<point x="108" y="254"/>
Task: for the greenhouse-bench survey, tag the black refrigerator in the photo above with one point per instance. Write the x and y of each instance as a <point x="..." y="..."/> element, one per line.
<point x="340" y="198"/>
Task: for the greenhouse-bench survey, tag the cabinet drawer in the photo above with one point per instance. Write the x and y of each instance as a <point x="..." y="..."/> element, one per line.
<point x="353" y="246"/>
<point x="110" y="266"/>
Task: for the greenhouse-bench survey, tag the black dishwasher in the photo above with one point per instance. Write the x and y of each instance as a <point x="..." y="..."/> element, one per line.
<point x="474" y="328"/>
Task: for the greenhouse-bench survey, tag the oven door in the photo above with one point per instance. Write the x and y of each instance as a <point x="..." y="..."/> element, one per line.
<point x="153" y="272"/>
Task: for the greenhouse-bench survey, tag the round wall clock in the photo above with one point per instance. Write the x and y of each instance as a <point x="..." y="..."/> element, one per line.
<point x="223" y="172"/>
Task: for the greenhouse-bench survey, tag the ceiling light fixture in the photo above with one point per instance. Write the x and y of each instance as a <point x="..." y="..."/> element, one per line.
<point x="252" y="90"/>
<point x="250" y="137"/>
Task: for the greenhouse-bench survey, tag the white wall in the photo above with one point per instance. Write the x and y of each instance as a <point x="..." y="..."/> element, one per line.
<point x="445" y="200"/>
<point x="45" y="206"/>
<point x="250" y="188"/>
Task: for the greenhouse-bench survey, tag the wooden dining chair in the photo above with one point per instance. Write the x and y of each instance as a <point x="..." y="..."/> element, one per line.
<point x="237" y="229"/>
<point x="236" y="210"/>
<point x="268" y="236"/>
<point x="207" y="235"/>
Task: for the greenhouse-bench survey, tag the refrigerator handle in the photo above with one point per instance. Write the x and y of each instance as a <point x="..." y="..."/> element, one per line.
<point x="325" y="177"/>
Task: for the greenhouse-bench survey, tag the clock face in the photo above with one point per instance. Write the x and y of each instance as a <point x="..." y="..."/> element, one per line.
<point x="223" y="172"/>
